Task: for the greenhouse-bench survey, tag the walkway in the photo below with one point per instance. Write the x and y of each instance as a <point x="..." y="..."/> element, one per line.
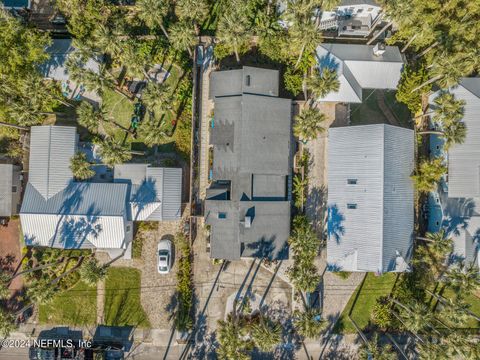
<point x="392" y="119"/>
<point x="100" y="301"/>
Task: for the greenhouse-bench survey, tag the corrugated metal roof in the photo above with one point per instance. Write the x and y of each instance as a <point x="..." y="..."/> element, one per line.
<point x="358" y="68"/>
<point x="74" y="231"/>
<point x="464" y="159"/>
<point x="370" y="197"/>
<point x="51" y="148"/>
<point x="172" y="193"/>
<point x="6" y="171"/>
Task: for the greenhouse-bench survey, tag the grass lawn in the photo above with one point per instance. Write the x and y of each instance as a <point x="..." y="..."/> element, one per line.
<point x="368" y="112"/>
<point x="372" y="289"/>
<point x="122" y="298"/>
<point x="76" y="307"/>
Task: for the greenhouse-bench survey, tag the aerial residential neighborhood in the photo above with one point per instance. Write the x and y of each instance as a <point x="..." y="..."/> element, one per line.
<point x="239" y="179"/>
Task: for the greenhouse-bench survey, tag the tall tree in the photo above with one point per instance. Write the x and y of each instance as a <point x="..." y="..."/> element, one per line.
<point x="309" y="323"/>
<point x="153" y="13"/>
<point x="233" y="29"/>
<point x="7" y="322"/>
<point x="91" y="272"/>
<point x="152" y="131"/>
<point x="428" y="174"/>
<point x="41" y="291"/>
<point x="90" y="117"/>
<point x="157" y="95"/>
<point x="266" y="334"/>
<point x="374" y="350"/>
<point x="232" y="343"/>
<point x="183" y="37"/>
<point x="113" y="152"/>
<point x="308" y="124"/>
<point x="195" y="11"/>
<point x="321" y="84"/>
<point x="81" y="168"/>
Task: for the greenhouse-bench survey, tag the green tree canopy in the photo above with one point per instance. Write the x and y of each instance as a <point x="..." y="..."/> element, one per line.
<point x="80" y="166"/>
<point x="91" y="272"/>
<point x="308" y="124"/>
<point x="428" y="174"/>
<point x="113" y="152"/>
<point x="309" y="323"/>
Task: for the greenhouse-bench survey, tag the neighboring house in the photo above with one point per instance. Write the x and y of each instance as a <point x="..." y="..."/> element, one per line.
<point x="352" y="18"/>
<point x="370" y="198"/>
<point x="247" y="206"/>
<point x="56" y="69"/>
<point x="360" y="67"/>
<point x="349" y="18"/>
<point x="459" y="197"/>
<point x="16" y="4"/>
<point x="59" y="212"/>
<point x="10" y="189"/>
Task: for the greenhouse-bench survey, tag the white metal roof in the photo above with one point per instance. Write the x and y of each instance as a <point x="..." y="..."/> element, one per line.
<point x="370" y="197"/>
<point x="358" y="68"/>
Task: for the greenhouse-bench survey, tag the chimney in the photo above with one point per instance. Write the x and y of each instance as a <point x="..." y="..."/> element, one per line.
<point x="379" y="49"/>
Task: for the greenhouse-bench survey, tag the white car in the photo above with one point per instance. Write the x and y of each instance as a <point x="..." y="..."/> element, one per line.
<point x="164" y="256"/>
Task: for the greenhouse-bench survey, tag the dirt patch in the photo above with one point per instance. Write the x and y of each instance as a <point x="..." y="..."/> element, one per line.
<point x="10" y="253"/>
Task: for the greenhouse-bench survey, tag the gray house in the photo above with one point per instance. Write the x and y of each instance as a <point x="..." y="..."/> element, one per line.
<point x="247" y="205"/>
<point x="360" y="67"/>
<point x="59" y="212"/>
<point x="10" y="189"/>
<point x="370" y="198"/>
<point x="459" y="210"/>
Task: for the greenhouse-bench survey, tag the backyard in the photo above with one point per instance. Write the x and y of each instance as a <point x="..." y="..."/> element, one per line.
<point x="122" y="298"/>
<point x="76" y="306"/>
<point x="372" y="110"/>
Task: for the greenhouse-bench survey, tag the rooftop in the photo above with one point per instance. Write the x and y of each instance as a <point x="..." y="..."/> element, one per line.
<point x="247" y="205"/>
<point x="370" y="198"/>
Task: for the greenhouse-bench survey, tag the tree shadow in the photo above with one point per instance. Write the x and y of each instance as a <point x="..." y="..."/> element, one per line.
<point x="457" y="213"/>
<point x="315" y="208"/>
<point x="335" y="223"/>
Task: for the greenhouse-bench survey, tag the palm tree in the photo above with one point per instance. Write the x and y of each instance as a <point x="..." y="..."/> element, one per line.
<point x="233" y="30"/>
<point x="309" y="323"/>
<point x="462" y="280"/>
<point x="80" y="166"/>
<point x="320" y="85"/>
<point x="439" y="247"/>
<point x="373" y="350"/>
<point x="194" y="10"/>
<point x="90" y="117"/>
<point x="417" y="317"/>
<point x="113" y="152"/>
<point x="153" y="13"/>
<point x="107" y="39"/>
<point x="308" y="124"/>
<point x="151" y="132"/>
<point x="91" y="272"/>
<point x="41" y="291"/>
<point x="305" y="36"/>
<point x="266" y="335"/>
<point x="303" y="241"/>
<point x="299" y="188"/>
<point x="304" y="274"/>
<point x="157" y="94"/>
<point x="7" y="322"/>
<point x="230" y="335"/>
<point x="183" y="37"/>
<point x="428" y="174"/>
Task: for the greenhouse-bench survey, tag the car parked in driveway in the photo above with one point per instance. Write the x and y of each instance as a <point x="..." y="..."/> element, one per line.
<point x="164" y="256"/>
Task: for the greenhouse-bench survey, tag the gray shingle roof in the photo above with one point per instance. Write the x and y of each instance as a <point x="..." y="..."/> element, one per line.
<point x="251" y="139"/>
<point x="358" y="68"/>
<point x="370" y="197"/>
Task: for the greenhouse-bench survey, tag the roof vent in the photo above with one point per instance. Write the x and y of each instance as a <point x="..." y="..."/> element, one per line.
<point x="379" y="49"/>
<point x="248" y="222"/>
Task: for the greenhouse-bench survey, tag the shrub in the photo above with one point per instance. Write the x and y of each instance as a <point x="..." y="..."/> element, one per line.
<point x="293" y="81"/>
<point x="343" y="274"/>
<point x="183" y="320"/>
<point x="382" y="312"/>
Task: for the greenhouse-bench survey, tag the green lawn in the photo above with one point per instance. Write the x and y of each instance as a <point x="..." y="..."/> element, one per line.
<point x="368" y="112"/>
<point x="122" y="298"/>
<point x="76" y="307"/>
<point x="372" y="289"/>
